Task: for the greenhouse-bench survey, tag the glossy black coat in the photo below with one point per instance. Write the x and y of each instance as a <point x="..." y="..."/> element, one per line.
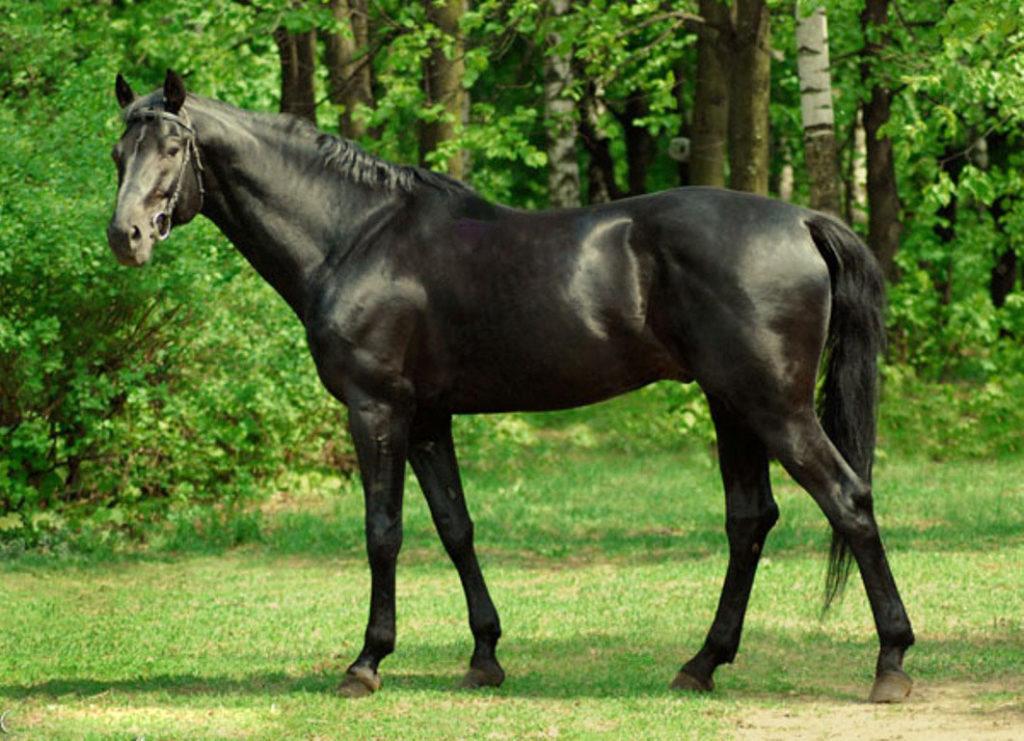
<point x="422" y="300"/>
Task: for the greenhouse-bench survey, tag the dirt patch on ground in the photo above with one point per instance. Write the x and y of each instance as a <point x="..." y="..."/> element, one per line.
<point x="941" y="711"/>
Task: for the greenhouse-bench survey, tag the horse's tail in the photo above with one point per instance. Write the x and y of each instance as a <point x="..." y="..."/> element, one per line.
<point x="856" y="336"/>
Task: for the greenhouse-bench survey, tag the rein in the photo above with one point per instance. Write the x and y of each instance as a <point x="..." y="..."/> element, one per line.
<point x="191" y="151"/>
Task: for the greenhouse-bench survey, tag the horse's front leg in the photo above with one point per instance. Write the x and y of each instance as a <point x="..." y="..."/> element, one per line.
<point x="380" y="431"/>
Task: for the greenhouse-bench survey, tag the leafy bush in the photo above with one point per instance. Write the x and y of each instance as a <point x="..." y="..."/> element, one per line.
<point x="950" y="421"/>
<point x="124" y="393"/>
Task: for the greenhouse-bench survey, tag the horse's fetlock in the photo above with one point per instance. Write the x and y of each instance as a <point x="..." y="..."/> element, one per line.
<point x="487" y="629"/>
<point x="722" y="652"/>
<point x="380" y="641"/>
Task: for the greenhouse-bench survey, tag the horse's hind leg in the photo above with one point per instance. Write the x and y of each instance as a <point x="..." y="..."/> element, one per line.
<point x="750" y="514"/>
<point x="433" y="459"/>
<point x="812" y="459"/>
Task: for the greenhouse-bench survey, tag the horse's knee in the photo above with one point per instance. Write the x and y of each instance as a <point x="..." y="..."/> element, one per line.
<point x="383" y="540"/>
<point x="748" y="532"/>
<point x="457" y="536"/>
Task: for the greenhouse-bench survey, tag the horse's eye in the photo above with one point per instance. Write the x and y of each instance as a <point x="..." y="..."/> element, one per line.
<point x="173" y="151"/>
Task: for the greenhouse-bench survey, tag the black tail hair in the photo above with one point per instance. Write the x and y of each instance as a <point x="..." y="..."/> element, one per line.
<point x="856" y="337"/>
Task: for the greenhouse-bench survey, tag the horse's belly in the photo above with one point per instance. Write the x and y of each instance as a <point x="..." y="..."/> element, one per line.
<point x="556" y="374"/>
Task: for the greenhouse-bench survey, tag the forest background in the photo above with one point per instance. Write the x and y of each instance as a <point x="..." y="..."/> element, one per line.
<point x="131" y="401"/>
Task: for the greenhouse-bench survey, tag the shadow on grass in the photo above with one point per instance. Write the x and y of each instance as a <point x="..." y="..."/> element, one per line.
<point x="790" y="668"/>
<point x="625" y="517"/>
<point x="320" y="538"/>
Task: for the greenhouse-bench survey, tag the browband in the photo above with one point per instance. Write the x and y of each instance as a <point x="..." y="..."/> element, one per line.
<point x="152" y="114"/>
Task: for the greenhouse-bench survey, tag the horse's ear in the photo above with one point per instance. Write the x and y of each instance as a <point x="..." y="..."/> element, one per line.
<point x="125" y="94"/>
<point x="174" y="92"/>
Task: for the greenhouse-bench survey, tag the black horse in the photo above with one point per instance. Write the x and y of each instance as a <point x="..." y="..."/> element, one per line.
<point x="422" y="300"/>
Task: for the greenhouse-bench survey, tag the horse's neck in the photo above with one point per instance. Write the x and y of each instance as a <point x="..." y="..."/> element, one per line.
<point x="263" y="194"/>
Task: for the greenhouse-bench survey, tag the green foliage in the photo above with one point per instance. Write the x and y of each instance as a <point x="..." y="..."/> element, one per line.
<point x="127" y="397"/>
<point x="951" y="421"/>
<point x="125" y="394"/>
<point x="955" y="127"/>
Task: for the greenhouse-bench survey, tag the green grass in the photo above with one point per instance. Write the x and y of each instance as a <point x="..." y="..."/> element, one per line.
<point x="605" y="565"/>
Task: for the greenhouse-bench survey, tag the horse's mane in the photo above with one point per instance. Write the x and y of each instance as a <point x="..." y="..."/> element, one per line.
<point x="355" y="163"/>
<point x="338" y="155"/>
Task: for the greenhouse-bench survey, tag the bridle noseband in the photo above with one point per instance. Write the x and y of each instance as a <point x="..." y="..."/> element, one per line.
<point x="191" y="152"/>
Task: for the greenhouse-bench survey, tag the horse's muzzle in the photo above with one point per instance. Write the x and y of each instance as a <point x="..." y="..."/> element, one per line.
<point x="130" y="244"/>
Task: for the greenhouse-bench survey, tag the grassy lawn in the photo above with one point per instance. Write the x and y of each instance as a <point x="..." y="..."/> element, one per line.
<point x="605" y="566"/>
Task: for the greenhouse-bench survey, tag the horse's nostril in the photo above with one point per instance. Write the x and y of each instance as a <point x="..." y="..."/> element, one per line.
<point x="136" y="234"/>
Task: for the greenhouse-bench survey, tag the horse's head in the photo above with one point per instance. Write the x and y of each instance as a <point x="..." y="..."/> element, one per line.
<point x="159" y="172"/>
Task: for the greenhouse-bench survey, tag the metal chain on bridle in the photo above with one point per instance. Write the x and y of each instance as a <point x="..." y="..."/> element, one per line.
<point x="191" y="153"/>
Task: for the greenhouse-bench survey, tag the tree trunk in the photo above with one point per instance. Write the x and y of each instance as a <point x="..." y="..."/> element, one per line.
<point x="816" y="110"/>
<point x="683" y="131"/>
<point x="857" y="180"/>
<point x="296" y="52"/>
<point x="749" y="92"/>
<point x="709" y="128"/>
<point x="952" y="164"/>
<point x="1004" y="277"/>
<point x="884" y="225"/>
<point x="787" y="177"/>
<point x="639" y="143"/>
<point x="442" y="79"/>
<point x="349" y="65"/>
<point x="560" y="118"/>
<point x="601" y="185"/>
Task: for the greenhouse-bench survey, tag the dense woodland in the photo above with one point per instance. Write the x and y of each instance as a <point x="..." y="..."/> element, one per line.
<point x="124" y="394"/>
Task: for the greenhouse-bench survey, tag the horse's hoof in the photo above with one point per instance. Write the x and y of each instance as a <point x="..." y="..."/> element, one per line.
<point x="359" y="681"/>
<point x="491" y="675"/>
<point x="689" y="683"/>
<point x="892" y="686"/>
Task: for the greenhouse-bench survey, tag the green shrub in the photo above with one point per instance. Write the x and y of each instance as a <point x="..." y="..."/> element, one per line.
<point x="125" y="393"/>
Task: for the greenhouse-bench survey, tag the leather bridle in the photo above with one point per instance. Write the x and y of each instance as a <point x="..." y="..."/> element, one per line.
<point x="191" y="154"/>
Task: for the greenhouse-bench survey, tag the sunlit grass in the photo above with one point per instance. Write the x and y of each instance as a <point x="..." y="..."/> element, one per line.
<point x="605" y="567"/>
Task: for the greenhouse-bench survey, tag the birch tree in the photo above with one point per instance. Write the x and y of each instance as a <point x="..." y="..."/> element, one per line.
<point x="560" y="117"/>
<point x="601" y="185"/>
<point x="816" y="110"/>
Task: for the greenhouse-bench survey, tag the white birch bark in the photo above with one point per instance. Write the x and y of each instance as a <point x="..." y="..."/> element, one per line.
<point x="816" y="110"/>
<point x="859" y="206"/>
<point x="815" y="76"/>
<point x="560" y="117"/>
